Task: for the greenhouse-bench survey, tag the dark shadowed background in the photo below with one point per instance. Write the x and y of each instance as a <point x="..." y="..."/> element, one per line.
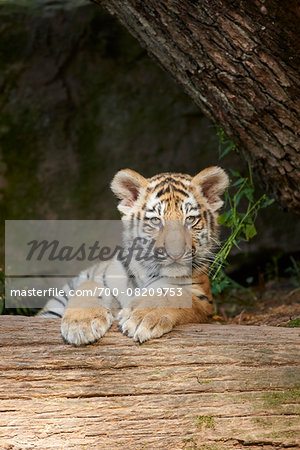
<point x="80" y="99"/>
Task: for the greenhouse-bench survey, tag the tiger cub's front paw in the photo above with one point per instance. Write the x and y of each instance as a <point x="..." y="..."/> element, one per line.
<point x="81" y="326"/>
<point x="145" y="324"/>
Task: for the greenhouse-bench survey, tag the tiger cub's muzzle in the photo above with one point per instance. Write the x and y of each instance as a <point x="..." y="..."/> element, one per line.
<point x="174" y="242"/>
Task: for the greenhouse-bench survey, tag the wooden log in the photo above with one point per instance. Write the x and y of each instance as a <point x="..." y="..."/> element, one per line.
<point x="198" y="387"/>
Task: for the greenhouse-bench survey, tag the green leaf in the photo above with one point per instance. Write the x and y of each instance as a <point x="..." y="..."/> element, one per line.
<point x="226" y="218"/>
<point x="225" y="151"/>
<point x="248" y="191"/>
<point x="234" y="242"/>
<point x="222" y="219"/>
<point x="267" y="202"/>
<point x="250" y="231"/>
<point x="236" y="173"/>
<point x="237" y="182"/>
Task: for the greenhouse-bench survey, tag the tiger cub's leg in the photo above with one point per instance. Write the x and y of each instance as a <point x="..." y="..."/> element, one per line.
<point x="144" y="323"/>
<point x="147" y="323"/>
<point x="86" y="318"/>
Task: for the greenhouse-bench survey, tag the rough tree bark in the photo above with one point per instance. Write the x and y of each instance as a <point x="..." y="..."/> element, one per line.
<point x="239" y="62"/>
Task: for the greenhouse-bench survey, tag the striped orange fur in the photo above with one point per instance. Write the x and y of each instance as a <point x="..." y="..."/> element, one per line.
<point x="179" y="212"/>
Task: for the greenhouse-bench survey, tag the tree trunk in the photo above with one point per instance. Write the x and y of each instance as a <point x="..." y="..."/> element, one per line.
<point x="200" y="386"/>
<point x="238" y="61"/>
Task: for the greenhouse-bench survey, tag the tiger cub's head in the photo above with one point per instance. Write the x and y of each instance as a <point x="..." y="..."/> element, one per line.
<point x="177" y="211"/>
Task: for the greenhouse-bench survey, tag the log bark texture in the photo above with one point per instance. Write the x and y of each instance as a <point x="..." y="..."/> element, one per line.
<point x="199" y="387"/>
<point x="239" y="61"/>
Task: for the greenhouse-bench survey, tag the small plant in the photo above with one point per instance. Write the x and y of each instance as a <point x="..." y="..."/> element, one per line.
<point x="206" y="421"/>
<point x="240" y="216"/>
<point x="293" y="323"/>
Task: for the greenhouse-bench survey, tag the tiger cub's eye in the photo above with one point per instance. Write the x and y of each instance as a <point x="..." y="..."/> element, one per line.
<point x="190" y="220"/>
<point x="155" y="221"/>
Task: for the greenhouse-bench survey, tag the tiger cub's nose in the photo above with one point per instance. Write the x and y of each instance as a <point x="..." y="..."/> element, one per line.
<point x="176" y="256"/>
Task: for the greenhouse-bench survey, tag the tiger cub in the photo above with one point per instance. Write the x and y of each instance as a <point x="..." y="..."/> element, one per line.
<point x="179" y="213"/>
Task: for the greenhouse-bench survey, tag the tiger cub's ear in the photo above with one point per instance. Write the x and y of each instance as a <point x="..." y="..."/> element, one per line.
<point x="212" y="183"/>
<point x="127" y="186"/>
